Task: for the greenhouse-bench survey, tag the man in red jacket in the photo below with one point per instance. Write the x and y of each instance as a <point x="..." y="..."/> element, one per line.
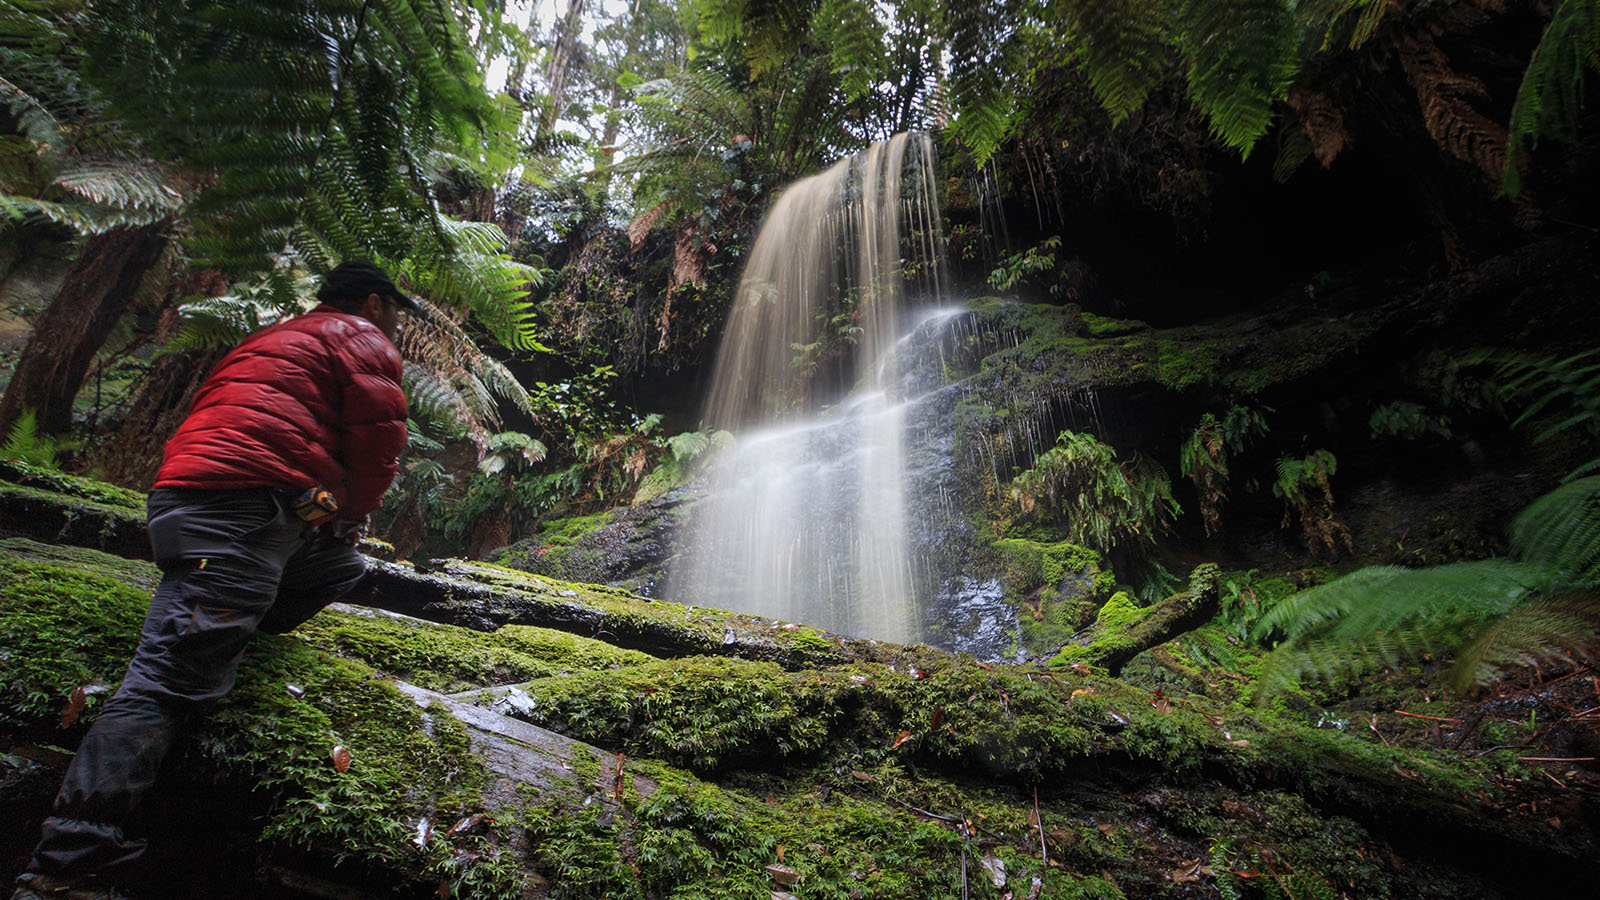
<point x="292" y="440"/>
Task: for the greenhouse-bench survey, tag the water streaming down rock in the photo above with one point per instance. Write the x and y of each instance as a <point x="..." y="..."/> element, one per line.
<point x="805" y="515"/>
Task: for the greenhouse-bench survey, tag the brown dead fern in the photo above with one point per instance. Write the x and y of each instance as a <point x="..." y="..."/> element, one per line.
<point x="1446" y="97"/>
<point x="1323" y="123"/>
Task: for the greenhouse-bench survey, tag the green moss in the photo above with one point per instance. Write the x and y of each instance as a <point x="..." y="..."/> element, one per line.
<point x="64" y="625"/>
<point x="112" y="511"/>
<point x="449" y="659"/>
<point x="61" y="628"/>
<point x="703" y="712"/>
<point x="1111" y="627"/>
<point x="50" y="480"/>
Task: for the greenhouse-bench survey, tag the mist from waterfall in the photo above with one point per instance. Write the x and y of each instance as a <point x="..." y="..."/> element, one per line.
<point x="805" y="515"/>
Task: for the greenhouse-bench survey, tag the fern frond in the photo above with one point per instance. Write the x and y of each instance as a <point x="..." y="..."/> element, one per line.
<point x="854" y="35"/>
<point x="1241" y="57"/>
<point x="1537" y="633"/>
<point x="1549" y="100"/>
<point x="983" y="44"/>
<point x="1571" y="383"/>
<point x="1451" y="119"/>
<point x="1561" y="532"/>
<point x="1378" y="599"/>
<point x="688" y="445"/>
<point x="1125" y="49"/>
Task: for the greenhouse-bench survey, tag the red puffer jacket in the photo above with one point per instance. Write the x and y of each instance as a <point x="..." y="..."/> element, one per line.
<point x="313" y="401"/>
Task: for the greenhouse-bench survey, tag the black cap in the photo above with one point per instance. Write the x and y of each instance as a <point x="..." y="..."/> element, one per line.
<point x="355" y="280"/>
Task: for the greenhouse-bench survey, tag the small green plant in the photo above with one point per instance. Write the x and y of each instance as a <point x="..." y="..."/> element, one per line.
<point x="1204" y="456"/>
<point x="1305" y="486"/>
<point x="1015" y="267"/>
<point x="25" y="444"/>
<point x="1102" y="501"/>
<point x="1403" y="419"/>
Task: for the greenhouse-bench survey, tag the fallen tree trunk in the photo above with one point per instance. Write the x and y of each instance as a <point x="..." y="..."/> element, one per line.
<point x="1123" y="630"/>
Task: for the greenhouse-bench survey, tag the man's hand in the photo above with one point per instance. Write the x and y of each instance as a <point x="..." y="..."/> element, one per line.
<point x="347" y="531"/>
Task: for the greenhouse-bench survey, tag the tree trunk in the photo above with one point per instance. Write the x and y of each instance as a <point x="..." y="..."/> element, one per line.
<point x="68" y="333"/>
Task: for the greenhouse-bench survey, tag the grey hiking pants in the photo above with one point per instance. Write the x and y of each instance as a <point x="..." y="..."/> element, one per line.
<point x="232" y="562"/>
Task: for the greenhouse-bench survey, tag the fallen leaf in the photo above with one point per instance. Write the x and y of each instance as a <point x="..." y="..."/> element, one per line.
<point x="781" y="848"/>
<point x="1081" y="692"/>
<point x="443" y="893"/>
<point x="1245" y="873"/>
<point x="1162" y="705"/>
<point x="782" y="874"/>
<point x="983" y="665"/>
<point x="1240" y="743"/>
<point x="862" y="776"/>
<point x="295" y="690"/>
<point x="1118" y="717"/>
<point x="341" y="759"/>
<point x="1104" y="827"/>
<point x="424" y="829"/>
<point x="465" y="857"/>
<point x="918" y="673"/>
<point x="1189" y="871"/>
<point x="938" y="718"/>
<point x="995" y="867"/>
<point x="1081" y="669"/>
<point x="1038" y="886"/>
<point x="469" y="822"/>
<point x="1032" y="818"/>
<point x="75" y="704"/>
<point x="901" y="738"/>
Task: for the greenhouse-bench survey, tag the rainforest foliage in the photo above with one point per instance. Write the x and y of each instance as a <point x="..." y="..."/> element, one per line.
<point x="1300" y="288"/>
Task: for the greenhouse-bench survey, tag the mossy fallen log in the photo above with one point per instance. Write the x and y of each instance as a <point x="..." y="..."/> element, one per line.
<point x="481" y="595"/>
<point x="1123" y="630"/>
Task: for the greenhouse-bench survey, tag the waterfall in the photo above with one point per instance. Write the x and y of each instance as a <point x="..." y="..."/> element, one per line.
<point x="805" y="514"/>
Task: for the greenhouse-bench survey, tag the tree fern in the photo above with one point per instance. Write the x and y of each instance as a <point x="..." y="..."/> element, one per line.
<point x="1240" y="57"/>
<point x="1546" y="630"/>
<point x="983" y="44"/>
<point x="311" y="125"/>
<point x="72" y="169"/>
<point x="1567" y="388"/>
<point x="451" y="381"/>
<point x="854" y="36"/>
<point x="1542" y="607"/>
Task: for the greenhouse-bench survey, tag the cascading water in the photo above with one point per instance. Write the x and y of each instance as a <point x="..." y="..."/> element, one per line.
<point x="805" y="517"/>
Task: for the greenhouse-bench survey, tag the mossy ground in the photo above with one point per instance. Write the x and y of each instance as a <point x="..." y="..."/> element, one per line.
<point x="868" y="779"/>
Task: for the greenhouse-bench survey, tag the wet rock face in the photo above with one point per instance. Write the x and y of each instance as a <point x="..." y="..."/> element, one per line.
<point x="626" y="547"/>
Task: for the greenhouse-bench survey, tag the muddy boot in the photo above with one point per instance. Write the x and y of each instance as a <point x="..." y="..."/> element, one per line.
<point x="49" y="887"/>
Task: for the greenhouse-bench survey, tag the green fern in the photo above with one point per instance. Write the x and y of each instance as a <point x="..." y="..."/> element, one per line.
<point x="65" y="164"/>
<point x="1567" y="387"/>
<point x="1386" y="616"/>
<point x="1101" y="501"/>
<point x="1561" y="533"/>
<point x="312" y="126"/>
<point x="1549" y="101"/>
<point x="25" y="444"/>
<point x="1125" y="49"/>
<point x="854" y="35"/>
<point x="1240" y="59"/>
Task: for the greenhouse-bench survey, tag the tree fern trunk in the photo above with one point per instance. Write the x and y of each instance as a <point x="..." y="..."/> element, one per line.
<point x="68" y="333"/>
<point x="133" y="456"/>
